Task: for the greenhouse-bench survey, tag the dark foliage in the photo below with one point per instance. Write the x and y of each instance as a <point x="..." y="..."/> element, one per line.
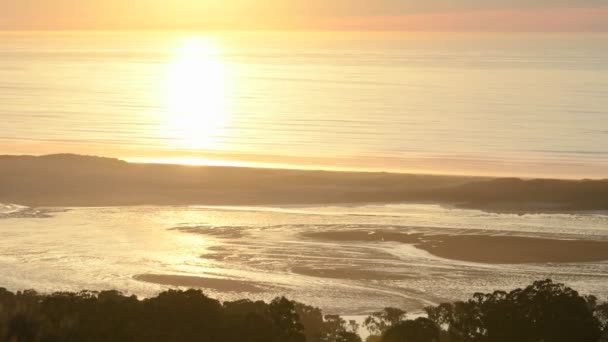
<point x="542" y="312"/>
<point x="171" y="316"/>
<point x="419" y="330"/>
<point x="379" y="322"/>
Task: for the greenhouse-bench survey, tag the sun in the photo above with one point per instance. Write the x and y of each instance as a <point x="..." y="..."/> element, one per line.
<point x="195" y="113"/>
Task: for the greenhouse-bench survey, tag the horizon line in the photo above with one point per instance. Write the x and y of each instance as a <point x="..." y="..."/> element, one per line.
<point x="292" y="30"/>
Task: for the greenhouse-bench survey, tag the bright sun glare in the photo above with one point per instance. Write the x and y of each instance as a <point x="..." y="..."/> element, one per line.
<point x="195" y="96"/>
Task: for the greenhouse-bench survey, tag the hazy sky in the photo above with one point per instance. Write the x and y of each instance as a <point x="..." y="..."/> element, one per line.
<point x="517" y="15"/>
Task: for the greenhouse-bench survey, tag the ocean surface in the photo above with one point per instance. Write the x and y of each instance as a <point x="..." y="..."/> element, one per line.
<point x="497" y="104"/>
<point x="58" y="249"/>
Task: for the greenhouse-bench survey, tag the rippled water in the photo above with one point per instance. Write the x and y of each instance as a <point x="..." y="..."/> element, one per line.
<point x="105" y="248"/>
<point x="514" y="104"/>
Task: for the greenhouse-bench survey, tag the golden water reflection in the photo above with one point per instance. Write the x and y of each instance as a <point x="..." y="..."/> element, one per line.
<point x="195" y="111"/>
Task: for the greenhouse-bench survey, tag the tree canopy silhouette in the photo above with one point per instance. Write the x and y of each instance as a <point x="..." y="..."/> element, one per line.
<point x="542" y="312"/>
<point x="418" y="330"/>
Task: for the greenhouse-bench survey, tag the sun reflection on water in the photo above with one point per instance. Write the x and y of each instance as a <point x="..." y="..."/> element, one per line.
<point x="195" y="111"/>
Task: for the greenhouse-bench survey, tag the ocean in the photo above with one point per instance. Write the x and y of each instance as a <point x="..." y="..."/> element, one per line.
<point x="525" y="104"/>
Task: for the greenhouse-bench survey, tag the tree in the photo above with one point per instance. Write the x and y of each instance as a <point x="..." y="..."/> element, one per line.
<point x="418" y="330"/>
<point x="379" y="322"/>
<point x="312" y="320"/>
<point x="284" y="315"/>
<point x="600" y="312"/>
<point x="336" y="329"/>
<point x="348" y="336"/>
<point x="542" y="312"/>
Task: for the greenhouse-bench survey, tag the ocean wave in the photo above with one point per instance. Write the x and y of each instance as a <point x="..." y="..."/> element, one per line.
<point x="9" y="210"/>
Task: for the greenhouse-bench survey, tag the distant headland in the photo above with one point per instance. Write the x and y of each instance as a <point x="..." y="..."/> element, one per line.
<point x="75" y="180"/>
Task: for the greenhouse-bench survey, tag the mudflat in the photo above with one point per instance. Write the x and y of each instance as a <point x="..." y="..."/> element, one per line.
<point x="489" y="249"/>
<point x="223" y="285"/>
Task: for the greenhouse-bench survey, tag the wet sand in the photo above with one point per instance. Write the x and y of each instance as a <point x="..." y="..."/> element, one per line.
<point x="219" y="232"/>
<point x="489" y="249"/>
<point x="264" y="249"/>
<point x="223" y="285"/>
<point x="348" y="273"/>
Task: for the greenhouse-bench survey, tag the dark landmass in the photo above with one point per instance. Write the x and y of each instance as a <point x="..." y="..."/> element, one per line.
<point x="72" y="180"/>
<point x="488" y="249"/>
<point x="543" y="311"/>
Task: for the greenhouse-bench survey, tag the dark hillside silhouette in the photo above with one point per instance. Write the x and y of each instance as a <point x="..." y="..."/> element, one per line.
<point x="72" y="180"/>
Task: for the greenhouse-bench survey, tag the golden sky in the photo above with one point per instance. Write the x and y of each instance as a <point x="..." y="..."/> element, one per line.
<point x="440" y="15"/>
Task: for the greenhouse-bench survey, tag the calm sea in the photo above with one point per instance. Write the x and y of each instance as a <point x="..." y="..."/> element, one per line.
<point x="509" y="104"/>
